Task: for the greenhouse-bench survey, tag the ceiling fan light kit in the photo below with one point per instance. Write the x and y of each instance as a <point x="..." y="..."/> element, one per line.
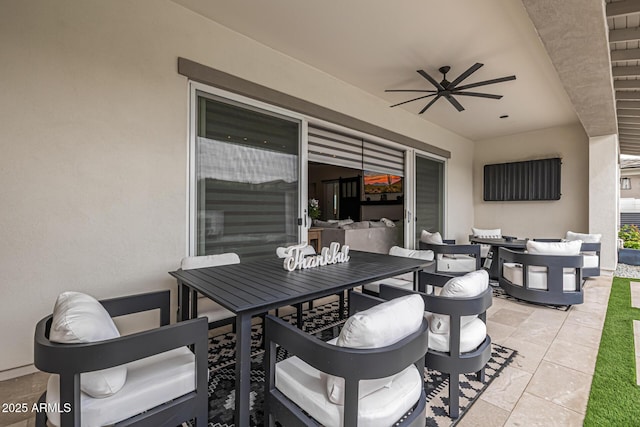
<point x="446" y="89"/>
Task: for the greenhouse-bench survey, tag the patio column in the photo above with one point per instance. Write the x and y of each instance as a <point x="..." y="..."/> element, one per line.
<point x="603" y="196"/>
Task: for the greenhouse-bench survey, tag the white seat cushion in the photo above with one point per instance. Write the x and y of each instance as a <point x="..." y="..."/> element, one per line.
<point x="306" y="387"/>
<point x="472" y="335"/>
<point x="494" y="233"/>
<point x="80" y="318"/>
<point x="590" y="261"/>
<point x="537" y="277"/>
<point x="392" y="281"/>
<point x="554" y="248"/>
<point x="150" y="382"/>
<point x="585" y="237"/>
<point x="432" y="238"/>
<point x="457" y="264"/>
<point x="484" y="250"/>
<point x="212" y="310"/>
<point x="467" y="286"/>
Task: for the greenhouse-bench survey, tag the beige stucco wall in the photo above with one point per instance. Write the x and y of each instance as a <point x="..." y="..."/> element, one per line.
<point x="94" y="141"/>
<point x="537" y="219"/>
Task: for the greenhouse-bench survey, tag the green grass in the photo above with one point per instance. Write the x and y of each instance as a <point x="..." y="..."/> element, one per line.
<point x="615" y="397"/>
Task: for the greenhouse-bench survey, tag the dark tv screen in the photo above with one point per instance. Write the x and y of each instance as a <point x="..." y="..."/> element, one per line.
<point x="520" y="181"/>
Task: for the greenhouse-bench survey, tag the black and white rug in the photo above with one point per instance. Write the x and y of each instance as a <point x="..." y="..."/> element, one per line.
<point x="324" y="322"/>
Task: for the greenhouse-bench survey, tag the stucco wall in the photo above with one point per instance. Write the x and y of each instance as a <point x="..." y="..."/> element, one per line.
<point x="537" y="219"/>
<point x="94" y="141"/>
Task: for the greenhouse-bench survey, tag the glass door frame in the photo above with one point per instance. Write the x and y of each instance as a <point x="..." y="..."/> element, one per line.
<point x="410" y="194"/>
<point x="195" y="89"/>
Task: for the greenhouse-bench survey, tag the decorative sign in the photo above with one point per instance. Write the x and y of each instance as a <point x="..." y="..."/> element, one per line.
<point x="295" y="259"/>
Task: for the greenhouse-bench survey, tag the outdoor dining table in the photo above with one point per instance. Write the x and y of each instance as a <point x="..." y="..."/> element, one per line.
<point x="253" y="288"/>
<point x="517" y="244"/>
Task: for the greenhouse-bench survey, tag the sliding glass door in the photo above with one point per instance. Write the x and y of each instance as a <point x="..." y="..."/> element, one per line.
<point x="429" y="191"/>
<point x="246" y="179"/>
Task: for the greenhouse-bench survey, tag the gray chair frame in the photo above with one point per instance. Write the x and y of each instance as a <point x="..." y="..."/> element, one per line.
<point x="555" y="293"/>
<point x="452" y="362"/>
<point x="452" y="249"/>
<point x="69" y="360"/>
<point x="352" y="364"/>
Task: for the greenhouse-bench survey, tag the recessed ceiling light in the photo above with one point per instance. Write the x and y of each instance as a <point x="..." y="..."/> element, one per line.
<point x="504" y="116"/>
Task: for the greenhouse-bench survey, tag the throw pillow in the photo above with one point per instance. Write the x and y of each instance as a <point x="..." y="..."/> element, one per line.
<point x="324" y="224"/>
<point x="554" y="248"/>
<point x="586" y="238"/>
<point x="380" y="326"/>
<point x="80" y="318"/>
<point x="467" y="286"/>
<point x="495" y="233"/>
<point x="410" y="253"/>
<point x="387" y="222"/>
<point x="432" y="238"/>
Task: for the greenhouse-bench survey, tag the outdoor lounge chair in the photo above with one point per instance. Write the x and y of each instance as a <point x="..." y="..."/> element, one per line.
<point x="101" y="378"/>
<point x="372" y="374"/>
<point x="404" y="281"/>
<point x="458" y="339"/>
<point x="548" y="273"/>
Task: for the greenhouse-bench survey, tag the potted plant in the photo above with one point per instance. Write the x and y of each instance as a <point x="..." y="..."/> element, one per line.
<point x="630" y="252"/>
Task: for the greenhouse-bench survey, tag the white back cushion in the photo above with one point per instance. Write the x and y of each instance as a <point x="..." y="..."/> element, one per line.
<point x="470" y="285"/>
<point x="487" y="233"/>
<point x="432" y="238"/>
<point x="410" y="253"/>
<point x="191" y="262"/>
<point x="379" y="326"/>
<point x="554" y="248"/>
<point x="80" y="318"/>
<point x="586" y="238"/>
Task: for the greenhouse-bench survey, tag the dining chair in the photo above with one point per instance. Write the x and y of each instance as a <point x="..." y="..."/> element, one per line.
<point x="451" y="258"/>
<point x="458" y="339"/>
<point x="405" y="281"/>
<point x="216" y="314"/>
<point x="154" y="377"/>
<point x="371" y="374"/>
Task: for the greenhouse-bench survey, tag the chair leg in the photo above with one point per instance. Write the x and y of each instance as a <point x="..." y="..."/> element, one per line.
<point x="480" y="375"/>
<point x="454" y="396"/>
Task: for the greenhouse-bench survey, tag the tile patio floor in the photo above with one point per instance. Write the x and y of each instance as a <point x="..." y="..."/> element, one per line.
<point x="547" y="384"/>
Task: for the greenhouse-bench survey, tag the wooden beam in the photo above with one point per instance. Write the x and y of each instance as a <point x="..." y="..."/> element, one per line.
<point x="622" y="8"/>
<point x="626" y="84"/>
<point x="625" y="55"/>
<point x="628" y="104"/>
<point x="625" y="71"/>
<point x="628" y="95"/>
<point x="624" y="35"/>
<point x="628" y="113"/>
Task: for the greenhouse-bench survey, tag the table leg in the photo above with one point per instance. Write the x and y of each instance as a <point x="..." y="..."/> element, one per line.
<point x="183" y="301"/>
<point x="243" y="369"/>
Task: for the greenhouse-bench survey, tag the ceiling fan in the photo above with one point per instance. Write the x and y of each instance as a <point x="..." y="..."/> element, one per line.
<point x="446" y="89"/>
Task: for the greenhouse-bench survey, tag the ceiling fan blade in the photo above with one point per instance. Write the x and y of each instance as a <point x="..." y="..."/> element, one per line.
<point x="411" y="100"/>
<point x="479" y="95"/>
<point x="486" y="82"/>
<point x="466" y="74"/>
<point x="455" y="103"/>
<point x="424" y="74"/>
<point x="409" y="90"/>
<point x="429" y="104"/>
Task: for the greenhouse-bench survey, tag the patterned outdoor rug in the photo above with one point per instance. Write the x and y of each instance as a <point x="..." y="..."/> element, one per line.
<point x="498" y="292"/>
<point x="324" y="322"/>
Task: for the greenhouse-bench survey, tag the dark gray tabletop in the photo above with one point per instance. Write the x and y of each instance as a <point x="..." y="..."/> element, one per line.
<point x="512" y="244"/>
<point x="258" y="286"/>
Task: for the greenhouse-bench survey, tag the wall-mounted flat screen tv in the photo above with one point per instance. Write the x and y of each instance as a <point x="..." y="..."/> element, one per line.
<point x="519" y="181"/>
<point x="378" y="183"/>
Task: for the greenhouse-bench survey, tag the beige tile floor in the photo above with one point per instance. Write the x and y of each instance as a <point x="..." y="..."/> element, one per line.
<point x="547" y="384"/>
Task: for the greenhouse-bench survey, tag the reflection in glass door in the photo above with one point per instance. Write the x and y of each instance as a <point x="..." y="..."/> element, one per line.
<point x="429" y="189"/>
<point x="246" y="178"/>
